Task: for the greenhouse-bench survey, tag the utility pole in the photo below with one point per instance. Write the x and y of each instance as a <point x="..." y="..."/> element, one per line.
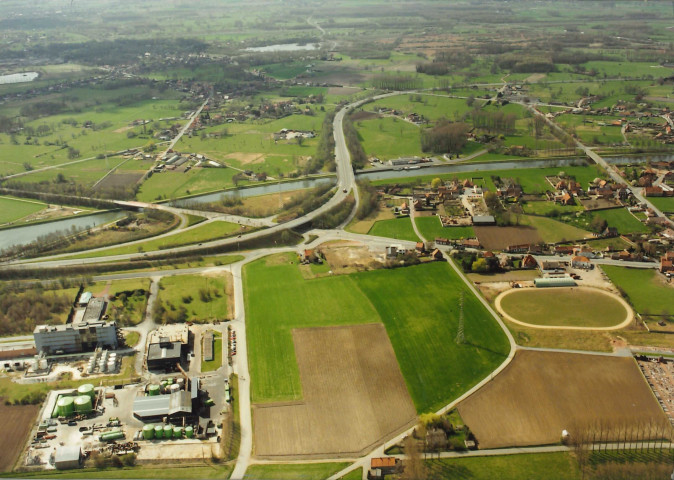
<point x="460" y="336"/>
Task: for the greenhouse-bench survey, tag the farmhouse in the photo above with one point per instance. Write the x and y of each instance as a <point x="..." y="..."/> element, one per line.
<point x="667" y="262"/>
<point x="581" y="262"/>
<point x="529" y="262"/>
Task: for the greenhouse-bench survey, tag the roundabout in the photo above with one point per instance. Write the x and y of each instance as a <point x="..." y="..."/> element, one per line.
<point x="565" y="308"/>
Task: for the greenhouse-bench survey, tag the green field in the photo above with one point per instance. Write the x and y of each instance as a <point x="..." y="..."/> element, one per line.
<point x="202" y="233"/>
<point x="666" y="204"/>
<point x="398" y="228"/>
<point x="168" y="185"/>
<point x="545" y="207"/>
<point x="645" y="288"/>
<point x="551" y="307"/>
<point x="13" y="209"/>
<point x="421" y="328"/>
<point x="552" y="231"/>
<point x="509" y="467"/>
<point x="297" y="471"/>
<point x="431" y="228"/>
<point x="216" y="363"/>
<point x="431" y="107"/>
<point x="203" y="297"/>
<point x="623" y="220"/>
<point x="388" y="137"/>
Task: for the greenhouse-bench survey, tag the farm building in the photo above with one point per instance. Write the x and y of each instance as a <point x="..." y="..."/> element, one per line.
<point x="484" y="220"/>
<point x="580" y="262"/>
<point x="67" y="457"/>
<point x="554" y="282"/>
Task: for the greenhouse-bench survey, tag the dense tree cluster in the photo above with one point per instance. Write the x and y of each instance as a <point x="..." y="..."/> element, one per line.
<point x="494" y="122"/>
<point x="21" y="312"/>
<point x="325" y="151"/>
<point x="358" y="155"/>
<point x="391" y="81"/>
<point x="368" y="200"/>
<point x="446" y="137"/>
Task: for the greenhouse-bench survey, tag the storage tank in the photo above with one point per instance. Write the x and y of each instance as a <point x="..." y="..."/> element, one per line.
<point x="159" y="432"/>
<point x="175" y="387"/>
<point x="83" y="404"/>
<point x="177" y="432"/>
<point x="65" y="406"/>
<point x="189" y="432"/>
<point x="169" y="381"/>
<point x="153" y="390"/>
<point x="87" y="389"/>
<point x="168" y="431"/>
<point x="148" y="432"/>
<point x="111" y="435"/>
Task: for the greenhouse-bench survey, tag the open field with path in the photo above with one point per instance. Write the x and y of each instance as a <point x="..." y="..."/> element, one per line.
<point x="542" y="393"/>
<point x="353" y="395"/>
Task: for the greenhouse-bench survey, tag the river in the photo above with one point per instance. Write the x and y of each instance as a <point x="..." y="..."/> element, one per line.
<point x="25" y="235"/>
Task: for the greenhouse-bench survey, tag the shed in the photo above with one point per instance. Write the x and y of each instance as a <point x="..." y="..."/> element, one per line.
<point x="67" y="457"/>
<point x="554" y="282"/>
<point x="84" y="299"/>
<point x="484" y="220"/>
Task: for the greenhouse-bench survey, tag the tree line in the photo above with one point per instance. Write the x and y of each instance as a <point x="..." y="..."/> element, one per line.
<point x="494" y="122"/>
<point x="325" y="150"/>
<point x="396" y="82"/>
<point x="358" y="155"/>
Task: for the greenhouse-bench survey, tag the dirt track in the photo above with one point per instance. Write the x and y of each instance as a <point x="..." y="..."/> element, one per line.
<point x="542" y="393"/>
<point x="354" y="395"/>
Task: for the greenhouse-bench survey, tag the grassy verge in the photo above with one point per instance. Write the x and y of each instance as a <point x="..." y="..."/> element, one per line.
<point x="304" y="471"/>
<point x="131" y="338"/>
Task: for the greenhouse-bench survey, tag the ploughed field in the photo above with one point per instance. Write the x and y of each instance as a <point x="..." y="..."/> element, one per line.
<point x="498" y="238"/>
<point x="348" y="375"/>
<point x="542" y="393"/>
<point x="17" y="421"/>
<point x="564" y="307"/>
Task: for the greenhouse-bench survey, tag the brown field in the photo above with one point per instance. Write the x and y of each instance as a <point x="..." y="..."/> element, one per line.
<point x="120" y="180"/>
<point x="354" y="396"/>
<point x="498" y="238"/>
<point x="343" y="90"/>
<point x="542" y="393"/>
<point x="18" y="421"/>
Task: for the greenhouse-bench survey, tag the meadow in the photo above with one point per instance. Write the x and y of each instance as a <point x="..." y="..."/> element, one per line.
<point x="205" y="297"/>
<point x="623" y="220"/>
<point x="387" y="138"/>
<point x="398" y="228"/>
<point x="13" y="209"/>
<point x="431" y="228"/>
<point x="422" y="338"/>
<point x="306" y="471"/>
<point x="645" y="288"/>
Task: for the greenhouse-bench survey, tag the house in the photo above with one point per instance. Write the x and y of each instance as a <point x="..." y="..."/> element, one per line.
<point x="420" y="248"/>
<point x="529" y="262"/>
<point x="564" y="198"/>
<point x="387" y="465"/>
<point x="580" y="262"/>
<point x="442" y="241"/>
<point x="391" y="251"/>
<point x="563" y="250"/>
<point x="488" y="254"/>
<point x="547" y="266"/>
<point x="653" y="192"/>
<point x="517" y="248"/>
<point x="668" y="233"/>
<point x="585" y="251"/>
<point x="470" y="243"/>
<point x="667" y="262"/>
<point x="609" y="232"/>
<point x="436" y="254"/>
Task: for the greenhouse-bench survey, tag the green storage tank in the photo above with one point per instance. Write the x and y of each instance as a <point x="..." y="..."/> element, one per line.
<point x="168" y="431"/>
<point x="65" y="406"/>
<point x="148" y="432"/>
<point x="178" y="432"/>
<point x="159" y="432"/>
<point x="153" y="390"/>
<point x="169" y="381"/>
<point x="189" y="432"/>
<point x="87" y="389"/>
<point x="83" y="404"/>
<point x="111" y="435"/>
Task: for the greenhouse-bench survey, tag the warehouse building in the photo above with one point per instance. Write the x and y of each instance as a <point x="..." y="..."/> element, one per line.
<point x="178" y="403"/>
<point x="164" y="355"/>
<point x="67" y="457"/>
<point x="555" y="282"/>
<point x="94" y="311"/>
<point x="75" y="338"/>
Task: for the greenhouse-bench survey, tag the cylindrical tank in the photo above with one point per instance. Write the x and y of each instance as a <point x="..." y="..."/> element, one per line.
<point x="189" y="432"/>
<point x="168" y="431"/>
<point x="169" y="381"/>
<point x="178" y="432"/>
<point x="83" y="404"/>
<point x="153" y="390"/>
<point x="175" y="387"/>
<point x="159" y="432"/>
<point x="65" y="406"/>
<point x="163" y="383"/>
<point x="148" y="432"/>
<point x="87" y="389"/>
<point x="111" y="435"/>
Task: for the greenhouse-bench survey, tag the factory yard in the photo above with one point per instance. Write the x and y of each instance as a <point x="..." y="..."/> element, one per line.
<point x="542" y="393"/>
<point x="354" y="395"/>
<point x="18" y="421"/>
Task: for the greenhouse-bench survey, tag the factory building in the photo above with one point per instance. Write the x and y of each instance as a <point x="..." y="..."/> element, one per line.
<point x="164" y="355"/>
<point x="67" y="457"/>
<point x="75" y="338"/>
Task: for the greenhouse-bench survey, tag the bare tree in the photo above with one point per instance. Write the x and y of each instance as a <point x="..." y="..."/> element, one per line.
<point x="415" y="469"/>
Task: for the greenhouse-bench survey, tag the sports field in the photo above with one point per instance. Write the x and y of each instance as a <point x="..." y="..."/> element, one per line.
<point x="564" y="307"/>
<point x="353" y="395"/>
<point x="542" y="393"/>
<point x="646" y="289"/>
<point x="422" y="328"/>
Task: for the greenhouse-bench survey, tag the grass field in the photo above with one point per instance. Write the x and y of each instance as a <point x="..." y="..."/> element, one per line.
<point x="568" y="307"/>
<point x="666" y="204"/>
<point x="298" y="471"/>
<point x="213" y="365"/>
<point x="167" y="185"/>
<point x="431" y="228"/>
<point x="13" y="209"/>
<point x="388" y="138"/>
<point x="623" y="220"/>
<point x="431" y="107"/>
<point x="422" y="338"/>
<point x="552" y="231"/>
<point x="509" y="467"/>
<point x="541" y="393"/>
<point x="646" y="289"/>
<point x="398" y="228"/>
<point x="203" y="233"/>
<point x="205" y="297"/>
